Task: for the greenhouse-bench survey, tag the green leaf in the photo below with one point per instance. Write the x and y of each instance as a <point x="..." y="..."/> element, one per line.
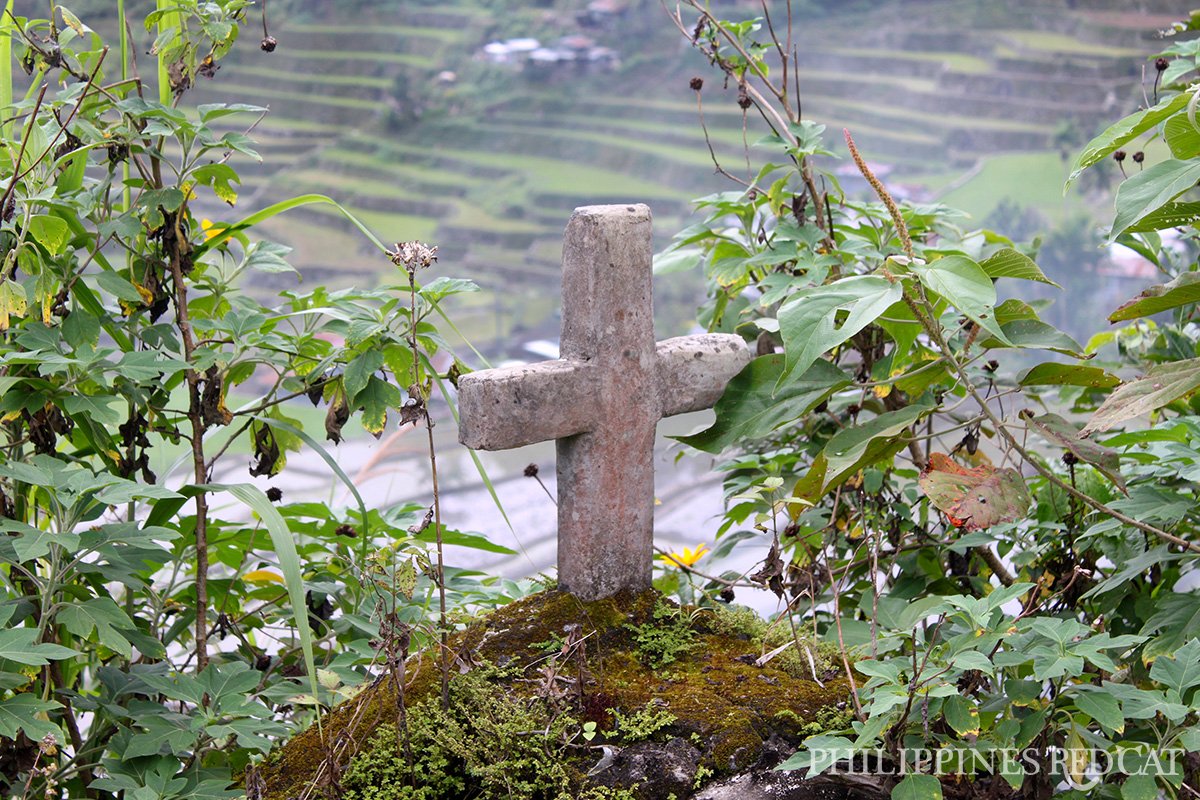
<point x="444" y="287"/>
<point x="1052" y="374"/>
<point x="1140" y="787"/>
<point x="1103" y="708"/>
<point x="1122" y="131"/>
<point x="808" y="322"/>
<point x="962" y="715"/>
<point x="1009" y="263"/>
<point x="1150" y="189"/>
<point x="51" y="233"/>
<point x="475" y="541"/>
<point x="1169" y="215"/>
<point x="18" y="644"/>
<point x="20" y="713"/>
<point x="918" y="787"/>
<point x="1184" y="290"/>
<point x="118" y="287"/>
<point x="1163" y="384"/>
<point x="1064" y="434"/>
<point x="102" y="615"/>
<point x="1180" y="671"/>
<point x="674" y="261"/>
<point x="750" y="408"/>
<point x="376" y="399"/>
<point x="1182" y="137"/>
<point x="359" y="371"/>
<point x="1033" y="334"/>
<point x="850" y="445"/>
<point x="967" y="287"/>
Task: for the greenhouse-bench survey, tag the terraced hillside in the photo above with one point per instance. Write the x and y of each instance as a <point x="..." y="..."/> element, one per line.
<point x="488" y="162"/>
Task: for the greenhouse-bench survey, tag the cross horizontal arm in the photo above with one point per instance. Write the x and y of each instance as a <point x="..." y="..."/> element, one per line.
<point x="500" y="409"/>
<point x="693" y="370"/>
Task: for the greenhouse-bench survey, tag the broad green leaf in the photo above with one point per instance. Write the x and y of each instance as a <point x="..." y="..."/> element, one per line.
<point x="1140" y="787"/>
<point x="1033" y="334"/>
<point x="1051" y="374"/>
<point x="1182" y="137"/>
<point x="1122" y="131"/>
<point x="376" y="399"/>
<point x="1180" y="671"/>
<point x="1103" y="708"/>
<point x="359" y="371"/>
<point x="21" y="713"/>
<point x="102" y="615"/>
<point x="19" y="645"/>
<point x="1184" y="290"/>
<point x="965" y="286"/>
<point x="680" y="260"/>
<point x="849" y="445"/>
<point x="51" y="232"/>
<point x="441" y="287"/>
<point x="1150" y="189"/>
<point x="1064" y="434"/>
<point x="751" y="409"/>
<point x="820" y="753"/>
<point x="918" y="787"/>
<point x="475" y="541"/>
<point x="1169" y="215"/>
<point x="1163" y="384"/>
<point x="962" y="715"/>
<point x="809" y="322"/>
<point x="1009" y="263"/>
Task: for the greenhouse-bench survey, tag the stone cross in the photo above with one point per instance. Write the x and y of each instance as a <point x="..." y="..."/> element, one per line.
<point x="601" y="400"/>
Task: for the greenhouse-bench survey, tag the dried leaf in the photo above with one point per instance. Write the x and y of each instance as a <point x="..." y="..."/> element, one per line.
<point x="1061" y="432"/>
<point x="974" y="498"/>
<point x="1163" y="384"/>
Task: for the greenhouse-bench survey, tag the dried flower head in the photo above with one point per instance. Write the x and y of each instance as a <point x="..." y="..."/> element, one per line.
<point x="1161" y="63"/>
<point x="1139" y="157"/>
<point x="1119" y="156"/>
<point x="268" y="44"/>
<point x="696" y="83"/>
<point x="531" y="471"/>
<point x="413" y="255"/>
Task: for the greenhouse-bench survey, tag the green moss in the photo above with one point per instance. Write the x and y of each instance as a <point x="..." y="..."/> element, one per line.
<point x="489" y="745"/>
<point x="642" y="723"/>
<point x="663" y="639"/>
<point x="715" y="697"/>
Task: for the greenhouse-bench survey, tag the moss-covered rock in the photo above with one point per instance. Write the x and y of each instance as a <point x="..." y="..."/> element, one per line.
<point x="561" y="693"/>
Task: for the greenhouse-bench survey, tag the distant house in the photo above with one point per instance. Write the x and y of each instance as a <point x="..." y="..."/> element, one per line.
<point x="510" y="50"/>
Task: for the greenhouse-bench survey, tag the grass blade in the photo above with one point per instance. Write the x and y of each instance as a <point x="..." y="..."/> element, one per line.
<point x="279" y="208"/>
<point x="289" y="565"/>
<point x="6" y="76"/>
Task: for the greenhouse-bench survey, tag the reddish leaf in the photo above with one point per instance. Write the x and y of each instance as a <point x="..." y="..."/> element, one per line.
<point x="974" y="498"/>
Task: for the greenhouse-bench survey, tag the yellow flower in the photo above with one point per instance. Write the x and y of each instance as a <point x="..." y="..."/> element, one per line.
<point x="688" y="557"/>
<point x="210" y="228"/>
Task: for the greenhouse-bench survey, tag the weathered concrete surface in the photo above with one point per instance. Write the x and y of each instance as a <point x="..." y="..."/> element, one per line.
<point x="602" y="400"/>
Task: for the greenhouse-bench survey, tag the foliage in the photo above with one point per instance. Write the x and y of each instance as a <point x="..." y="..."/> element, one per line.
<point x="160" y="629"/>
<point x="487" y="742"/>
<point x="981" y="522"/>
<point x="664" y="638"/>
<point x="642" y="724"/>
